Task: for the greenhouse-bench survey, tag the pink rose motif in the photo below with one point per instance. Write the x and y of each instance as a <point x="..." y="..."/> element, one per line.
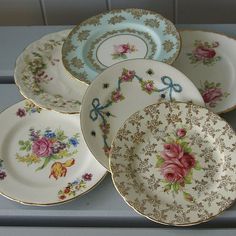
<point x="42" y="147"/>
<point x="149" y="87"/>
<point x="172" y="150"/>
<point x="188" y="161"/>
<point x="181" y="133"/>
<point x="202" y="53"/>
<point x="212" y="95"/>
<point x="87" y="177"/>
<point x="127" y="75"/>
<point x="173" y="171"/>
<point x="122" y="48"/>
<point x="116" y="96"/>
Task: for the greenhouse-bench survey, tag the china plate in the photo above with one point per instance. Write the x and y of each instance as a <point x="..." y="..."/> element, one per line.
<point x="209" y="60"/>
<point x="42" y="78"/>
<point x="44" y="159"/>
<point x="123" y="89"/>
<point x="175" y="163"/>
<point x="115" y="36"/>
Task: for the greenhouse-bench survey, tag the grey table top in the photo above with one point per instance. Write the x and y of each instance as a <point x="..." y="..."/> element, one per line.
<point x="102" y="207"/>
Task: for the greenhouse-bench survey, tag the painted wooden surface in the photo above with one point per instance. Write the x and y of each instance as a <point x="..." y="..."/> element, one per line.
<point x="64" y="12"/>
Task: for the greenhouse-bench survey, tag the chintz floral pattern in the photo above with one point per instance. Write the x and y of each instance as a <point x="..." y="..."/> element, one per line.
<point x="121" y="51"/>
<point x="101" y="111"/>
<point x="44" y="147"/>
<point x="212" y="93"/>
<point x="204" y="53"/>
<point x="176" y="163"/>
<point x="72" y="189"/>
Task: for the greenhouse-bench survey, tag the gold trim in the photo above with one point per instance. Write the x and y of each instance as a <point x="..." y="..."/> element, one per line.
<point x="160" y="222"/>
<point x="170" y="61"/>
<point x="214" y="32"/>
<point x="19" y="87"/>
<point x="53" y="203"/>
<point x="87" y="91"/>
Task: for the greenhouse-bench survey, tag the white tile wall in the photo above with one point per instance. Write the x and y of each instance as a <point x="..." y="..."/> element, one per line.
<point x="64" y="12"/>
<point x="164" y="7"/>
<point x="67" y="12"/>
<point x="20" y="12"/>
<point x="206" y="11"/>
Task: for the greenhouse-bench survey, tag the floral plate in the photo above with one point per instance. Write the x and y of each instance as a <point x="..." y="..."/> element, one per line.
<point x="208" y="59"/>
<point x="42" y="78"/>
<point x="115" y="36"/>
<point x="123" y="89"/>
<point x="44" y="159"/>
<point x="175" y="163"/>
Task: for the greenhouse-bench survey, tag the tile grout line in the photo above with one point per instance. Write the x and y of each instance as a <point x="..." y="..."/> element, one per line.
<point x="175" y="11"/>
<point x="43" y="12"/>
<point x="108" y="4"/>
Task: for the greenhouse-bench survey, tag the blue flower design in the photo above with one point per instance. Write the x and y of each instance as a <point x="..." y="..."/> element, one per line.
<point x="49" y="134"/>
<point x="73" y="141"/>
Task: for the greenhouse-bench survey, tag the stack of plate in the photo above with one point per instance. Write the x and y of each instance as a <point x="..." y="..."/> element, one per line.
<point x="170" y="158"/>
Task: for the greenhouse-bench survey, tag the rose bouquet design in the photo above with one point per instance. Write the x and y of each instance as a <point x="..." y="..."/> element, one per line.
<point x="212" y="93"/>
<point x="121" y="50"/>
<point x="176" y="163"/>
<point x="204" y="52"/>
<point x="48" y="146"/>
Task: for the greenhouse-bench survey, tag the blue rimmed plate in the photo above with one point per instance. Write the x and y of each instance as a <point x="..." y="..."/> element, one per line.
<point x="118" y="35"/>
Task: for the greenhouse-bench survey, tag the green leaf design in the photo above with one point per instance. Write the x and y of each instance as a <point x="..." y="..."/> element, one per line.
<point x="188" y="178"/>
<point x="46" y="161"/>
<point x="175" y="187"/>
<point x="197" y="166"/>
<point x="188" y="197"/>
<point x="160" y="161"/>
<point x="21" y="142"/>
<point x="60" y="135"/>
<point x="167" y="187"/>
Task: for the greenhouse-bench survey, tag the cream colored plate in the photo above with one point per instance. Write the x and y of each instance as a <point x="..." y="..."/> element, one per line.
<point x="123" y="89"/>
<point x="175" y="163"/>
<point x="209" y="60"/>
<point x="44" y="159"/>
<point x="42" y="78"/>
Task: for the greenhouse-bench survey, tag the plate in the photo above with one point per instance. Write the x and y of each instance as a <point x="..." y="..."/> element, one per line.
<point x="115" y="36"/>
<point x="42" y="78"/>
<point x="123" y="89"/>
<point x="44" y="159"/>
<point x="175" y="163"/>
<point x="209" y="60"/>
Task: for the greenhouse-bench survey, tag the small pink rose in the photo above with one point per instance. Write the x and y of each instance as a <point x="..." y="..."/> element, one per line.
<point x="149" y="87"/>
<point x="212" y="95"/>
<point x="127" y="75"/>
<point x="116" y="96"/>
<point x="121" y="49"/>
<point x="172" y="150"/>
<point x="42" y="147"/>
<point x="188" y="161"/>
<point x="173" y="171"/>
<point x="202" y="52"/>
<point x="181" y="132"/>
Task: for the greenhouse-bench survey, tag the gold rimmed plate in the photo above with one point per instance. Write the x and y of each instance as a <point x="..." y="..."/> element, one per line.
<point x="208" y="59"/>
<point x="175" y="163"/>
<point x="123" y="89"/>
<point x="42" y="78"/>
<point x="44" y="159"/>
<point x="115" y="36"/>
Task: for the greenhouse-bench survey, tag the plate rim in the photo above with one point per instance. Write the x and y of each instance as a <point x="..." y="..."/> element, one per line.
<point x="90" y="87"/>
<point x="19" y="87"/>
<point x="139" y="212"/>
<point x="117" y="10"/>
<point x="54" y="202"/>
<point x="213" y="32"/>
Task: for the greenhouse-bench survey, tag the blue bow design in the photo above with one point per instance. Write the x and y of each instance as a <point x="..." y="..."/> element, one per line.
<point x="170" y="86"/>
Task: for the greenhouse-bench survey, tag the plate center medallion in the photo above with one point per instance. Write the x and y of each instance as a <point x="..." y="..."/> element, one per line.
<point x="119" y="48"/>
